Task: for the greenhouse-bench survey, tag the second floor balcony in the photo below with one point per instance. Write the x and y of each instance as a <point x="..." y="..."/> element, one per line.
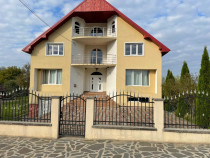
<point x="94" y="32"/>
<point x="95" y="60"/>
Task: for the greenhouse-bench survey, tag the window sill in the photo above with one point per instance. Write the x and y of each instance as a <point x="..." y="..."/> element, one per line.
<point x="135" y="86"/>
<point x="133" y="55"/>
<point x="52" y="84"/>
<point x="54" y="55"/>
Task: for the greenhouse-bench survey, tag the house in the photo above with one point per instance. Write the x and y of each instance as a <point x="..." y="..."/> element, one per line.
<point x="96" y="48"/>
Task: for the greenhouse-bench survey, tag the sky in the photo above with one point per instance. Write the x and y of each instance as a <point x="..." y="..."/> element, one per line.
<point x="181" y="25"/>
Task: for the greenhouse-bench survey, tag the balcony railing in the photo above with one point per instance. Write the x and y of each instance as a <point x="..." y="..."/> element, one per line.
<point x="88" y="59"/>
<point x="94" y="31"/>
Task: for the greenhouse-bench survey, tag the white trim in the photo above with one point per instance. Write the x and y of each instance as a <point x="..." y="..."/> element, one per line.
<point x="156" y="82"/>
<point x="52" y="84"/>
<point x="96" y="76"/>
<point x="46" y="48"/>
<point x="136" y="48"/>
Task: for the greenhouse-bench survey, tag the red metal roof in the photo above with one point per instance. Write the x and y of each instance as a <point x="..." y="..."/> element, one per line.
<point x="87" y="9"/>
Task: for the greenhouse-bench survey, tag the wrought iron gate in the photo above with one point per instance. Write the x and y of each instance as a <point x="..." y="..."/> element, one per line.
<point x="72" y="115"/>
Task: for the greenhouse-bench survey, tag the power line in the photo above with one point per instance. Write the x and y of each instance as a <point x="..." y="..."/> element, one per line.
<point x="33" y="12"/>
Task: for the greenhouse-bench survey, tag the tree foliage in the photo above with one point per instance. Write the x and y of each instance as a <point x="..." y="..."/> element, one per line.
<point x="24" y="78"/>
<point x="185" y="72"/>
<point x="202" y="105"/>
<point x="14" y="77"/>
<point x="170" y="85"/>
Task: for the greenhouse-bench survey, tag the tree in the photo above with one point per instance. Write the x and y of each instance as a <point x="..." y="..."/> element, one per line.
<point x="170" y="85"/>
<point x="8" y="74"/>
<point x="185" y="72"/>
<point x="187" y="84"/>
<point x="10" y="85"/>
<point x="202" y="105"/>
<point x="187" y="81"/>
<point x="24" y="78"/>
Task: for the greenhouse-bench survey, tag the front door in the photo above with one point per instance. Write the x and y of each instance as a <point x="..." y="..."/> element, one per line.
<point x="96" y="84"/>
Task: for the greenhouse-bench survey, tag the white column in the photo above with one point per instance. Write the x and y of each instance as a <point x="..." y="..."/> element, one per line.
<point x="89" y="117"/>
<point x="159" y="117"/>
<point x="55" y="116"/>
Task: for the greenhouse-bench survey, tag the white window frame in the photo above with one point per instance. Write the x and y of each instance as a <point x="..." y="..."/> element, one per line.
<point x="136" y="48"/>
<point x="132" y="81"/>
<point x="57" y="43"/>
<point x="48" y="74"/>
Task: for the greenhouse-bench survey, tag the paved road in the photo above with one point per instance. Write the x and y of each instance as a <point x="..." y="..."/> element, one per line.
<point x="16" y="147"/>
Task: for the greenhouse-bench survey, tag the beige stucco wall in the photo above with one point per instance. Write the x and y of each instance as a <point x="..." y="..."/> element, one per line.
<point x="126" y="33"/>
<point x="156" y="134"/>
<point x="26" y="131"/>
<point x="150" y="61"/>
<point x="40" y="61"/>
<point x="34" y="129"/>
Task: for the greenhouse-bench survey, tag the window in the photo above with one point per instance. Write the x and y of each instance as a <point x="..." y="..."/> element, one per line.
<point x="113" y="27"/>
<point x="137" y="78"/>
<point x="55" y="49"/>
<point x="52" y="77"/>
<point x="77" y="27"/>
<point x="97" y="32"/>
<point x="96" y="56"/>
<point x="133" y="49"/>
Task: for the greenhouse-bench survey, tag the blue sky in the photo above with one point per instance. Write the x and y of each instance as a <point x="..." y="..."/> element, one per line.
<point x="182" y="25"/>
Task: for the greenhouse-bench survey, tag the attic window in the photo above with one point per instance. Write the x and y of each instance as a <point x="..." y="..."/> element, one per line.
<point x="55" y="49"/>
<point x="77" y="27"/>
<point x="113" y="27"/>
<point x="134" y="49"/>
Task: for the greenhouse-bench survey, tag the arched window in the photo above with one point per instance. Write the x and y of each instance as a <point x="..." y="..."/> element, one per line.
<point x="113" y="27"/>
<point x="77" y="27"/>
<point x="96" y="56"/>
<point x="97" y="32"/>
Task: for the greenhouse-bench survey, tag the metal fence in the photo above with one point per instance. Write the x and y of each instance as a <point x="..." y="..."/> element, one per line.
<point x="25" y="106"/>
<point x="124" y="109"/>
<point x="72" y="115"/>
<point x="189" y="110"/>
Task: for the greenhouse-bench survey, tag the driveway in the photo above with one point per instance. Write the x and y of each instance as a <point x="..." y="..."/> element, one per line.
<point x="17" y="147"/>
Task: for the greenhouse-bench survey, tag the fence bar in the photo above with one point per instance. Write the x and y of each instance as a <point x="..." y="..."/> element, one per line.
<point x="24" y="106"/>
<point x="124" y="112"/>
<point x="177" y="111"/>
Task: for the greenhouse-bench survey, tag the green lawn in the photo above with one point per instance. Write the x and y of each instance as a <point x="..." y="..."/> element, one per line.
<point x="14" y="109"/>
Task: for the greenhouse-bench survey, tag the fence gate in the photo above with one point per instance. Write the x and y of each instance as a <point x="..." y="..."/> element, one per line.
<point x="72" y="116"/>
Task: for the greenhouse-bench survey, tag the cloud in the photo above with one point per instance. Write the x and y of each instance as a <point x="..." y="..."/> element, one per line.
<point x="181" y="25"/>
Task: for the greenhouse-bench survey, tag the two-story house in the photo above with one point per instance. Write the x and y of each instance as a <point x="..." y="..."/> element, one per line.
<point x="96" y="48"/>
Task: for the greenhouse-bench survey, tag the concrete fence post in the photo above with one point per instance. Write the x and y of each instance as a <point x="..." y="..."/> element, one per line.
<point x="89" y="117"/>
<point x="159" y="116"/>
<point x="55" y="116"/>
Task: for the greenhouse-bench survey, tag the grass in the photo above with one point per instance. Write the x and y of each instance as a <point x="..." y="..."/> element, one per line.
<point x="14" y="110"/>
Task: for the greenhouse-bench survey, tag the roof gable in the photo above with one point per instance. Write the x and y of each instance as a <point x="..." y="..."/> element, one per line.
<point x="94" y="6"/>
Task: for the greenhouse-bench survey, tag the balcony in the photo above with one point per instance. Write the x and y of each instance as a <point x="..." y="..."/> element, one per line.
<point x="89" y="61"/>
<point x="94" y="32"/>
<point x="98" y="35"/>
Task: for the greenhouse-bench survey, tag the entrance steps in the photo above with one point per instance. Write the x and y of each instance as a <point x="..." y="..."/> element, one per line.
<point x="95" y="94"/>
